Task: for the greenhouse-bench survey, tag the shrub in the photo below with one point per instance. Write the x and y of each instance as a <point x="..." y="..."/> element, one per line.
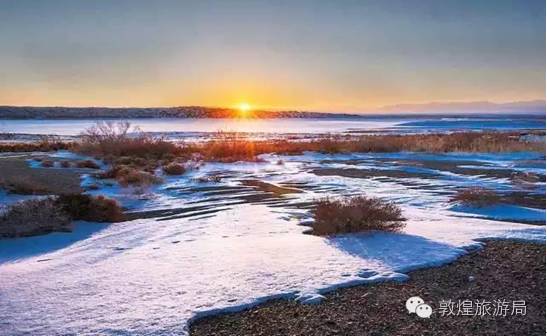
<point x="109" y="139"/>
<point x="127" y="175"/>
<point x="91" y="208"/>
<point x="356" y="214"/>
<point x="209" y="178"/>
<point x="132" y="176"/>
<point x="87" y="164"/>
<point x="65" y="164"/>
<point x="34" y="217"/>
<point x="46" y="144"/>
<point x="174" y="169"/>
<point x="47" y="163"/>
<point x="23" y="186"/>
<point x="229" y="147"/>
<point x="524" y="178"/>
<point x="476" y="196"/>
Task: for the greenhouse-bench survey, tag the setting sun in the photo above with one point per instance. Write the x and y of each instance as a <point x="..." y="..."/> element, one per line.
<point x="243" y="109"/>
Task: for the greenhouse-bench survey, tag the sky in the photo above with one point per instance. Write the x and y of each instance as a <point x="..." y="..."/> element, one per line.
<point x="345" y="56"/>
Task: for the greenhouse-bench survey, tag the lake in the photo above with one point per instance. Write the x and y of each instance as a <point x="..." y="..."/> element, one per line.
<point x="67" y="127"/>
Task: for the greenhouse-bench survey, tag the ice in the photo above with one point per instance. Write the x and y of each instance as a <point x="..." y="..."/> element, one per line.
<point x="154" y="276"/>
<point x="504" y="212"/>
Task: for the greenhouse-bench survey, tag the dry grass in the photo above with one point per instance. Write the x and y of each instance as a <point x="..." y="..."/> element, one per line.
<point x="17" y="177"/>
<point x="174" y="168"/>
<point x="111" y="140"/>
<point x="127" y="175"/>
<point x="41" y="216"/>
<point x="356" y="214"/>
<point x="526" y="179"/>
<point x="91" y="208"/>
<point x="134" y="155"/>
<point x="23" y="186"/>
<point x="87" y="164"/>
<point x="46" y="144"/>
<point x="230" y="147"/>
<point x="216" y="178"/>
<point x="476" y="196"/>
<point x="47" y="163"/>
<point x="114" y="143"/>
<point x="33" y="217"/>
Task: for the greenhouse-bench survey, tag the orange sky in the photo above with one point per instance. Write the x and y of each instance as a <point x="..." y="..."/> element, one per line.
<point x="309" y="55"/>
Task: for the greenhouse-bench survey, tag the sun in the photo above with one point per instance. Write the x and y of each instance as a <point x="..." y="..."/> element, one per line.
<point x="244" y="109"/>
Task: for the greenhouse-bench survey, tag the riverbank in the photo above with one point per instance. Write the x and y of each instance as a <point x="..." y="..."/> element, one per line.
<point x="502" y="270"/>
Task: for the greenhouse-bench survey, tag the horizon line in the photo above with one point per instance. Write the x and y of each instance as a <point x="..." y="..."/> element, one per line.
<point x="391" y="108"/>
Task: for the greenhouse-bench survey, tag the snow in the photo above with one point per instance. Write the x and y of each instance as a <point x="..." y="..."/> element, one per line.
<point x="504" y="212"/>
<point x="154" y="276"/>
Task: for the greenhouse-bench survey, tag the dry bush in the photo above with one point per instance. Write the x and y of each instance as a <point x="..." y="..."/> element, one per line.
<point x="216" y="178"/>
<point x="34" y="217"/>
<point x="526" y="179"/>
<point x="47" y="163"/>
<point x="127" y="175"/>
<point x="476" y="196"/>
<point x="114" y="139"/>
<point x="356" y="214"/>
<point x="230" y="147"/>
<point x="91" y="208"/>
<point x="46" y="144"/>
<point x="174" y="169"/>
<point x="23" y="186"/>
<point x="87" y="164"/>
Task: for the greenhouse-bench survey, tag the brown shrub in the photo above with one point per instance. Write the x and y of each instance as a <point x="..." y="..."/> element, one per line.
<point x="108" y="139"/>
<point x="34" y="217"/>
<point x="47" y="163"/>
<point x="209" y="178"/>
<point x="229" y="147"/>
<point x="476" y="196"/>
<point x="127" y="175"/>
<point x="174" y="169"/>
<point x="91" y="208"/>
<point x="46" y="144"/>
<point x="87" y="164"/>
<point x="23" y="186"/>
<point x="113" y="143"/>
<point x="526" y="178"/>
<point x="356" y="214"/>
<point x="65" y="164"/>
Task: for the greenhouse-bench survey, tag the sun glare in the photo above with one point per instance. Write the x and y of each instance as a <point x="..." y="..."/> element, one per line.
<point x="244" y="108"/>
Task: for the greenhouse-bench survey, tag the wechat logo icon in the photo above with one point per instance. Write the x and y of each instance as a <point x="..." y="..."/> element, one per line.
<point x="416" y="305"/>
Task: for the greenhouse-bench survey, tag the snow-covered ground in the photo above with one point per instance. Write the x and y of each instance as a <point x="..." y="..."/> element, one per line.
<point x="229" y="249"/>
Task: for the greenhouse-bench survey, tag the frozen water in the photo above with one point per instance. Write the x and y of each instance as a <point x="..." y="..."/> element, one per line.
<point x="153" y="276"/>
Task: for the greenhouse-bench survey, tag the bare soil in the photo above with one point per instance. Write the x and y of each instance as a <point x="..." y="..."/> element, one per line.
<point x="502" y="270"/>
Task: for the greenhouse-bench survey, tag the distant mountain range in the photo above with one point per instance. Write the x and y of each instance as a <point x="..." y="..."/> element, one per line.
<point x="445" y="108"/>
<point x="29" y="112"/>
<point x="521" y="107"/>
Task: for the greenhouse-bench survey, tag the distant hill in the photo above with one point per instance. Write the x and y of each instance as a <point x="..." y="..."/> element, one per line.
<point x="521" y="107"/>
<point x="29" y="112"/>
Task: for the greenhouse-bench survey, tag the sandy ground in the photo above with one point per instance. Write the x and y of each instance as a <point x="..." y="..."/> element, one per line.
<point x="503" y="270"/>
